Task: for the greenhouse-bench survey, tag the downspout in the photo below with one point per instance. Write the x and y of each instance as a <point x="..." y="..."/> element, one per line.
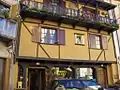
<point x="12" y="66"/>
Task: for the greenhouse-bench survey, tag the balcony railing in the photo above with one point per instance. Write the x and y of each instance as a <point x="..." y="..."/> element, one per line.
<point x="78" y="15"/>
<point x="7" y="29"/>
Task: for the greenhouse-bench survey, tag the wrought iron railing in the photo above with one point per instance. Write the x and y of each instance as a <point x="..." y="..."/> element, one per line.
<point x="68" y="12"/>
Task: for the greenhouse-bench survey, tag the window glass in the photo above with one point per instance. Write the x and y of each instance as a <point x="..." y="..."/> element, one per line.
<point x="2" y="24"/>
<point x="84" y="73"/>
<point x="48" y="36"/>
<point x="97" y="40"/>
<point x="7" y="28"/>
<point x="11" y="29"/>
<point x="43" y="35"/>
<point x="79" y="39"/>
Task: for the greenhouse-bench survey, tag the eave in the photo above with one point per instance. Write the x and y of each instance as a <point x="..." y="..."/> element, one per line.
<point x="5" y="4"/>
<point x="101" y="4"/>
<point x="105" y="5"/>
<point x="68" y="62"/>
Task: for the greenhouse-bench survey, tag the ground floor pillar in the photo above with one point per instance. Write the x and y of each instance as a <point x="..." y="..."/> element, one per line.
<point x="6" y="74"/>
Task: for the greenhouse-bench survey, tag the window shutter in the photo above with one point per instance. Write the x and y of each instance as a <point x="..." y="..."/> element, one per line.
<point x="83" y="39"/>
<point x="61" y="37"/>
<point x="104" y="42"/>
<point x="92" y="43"/>
<point x="36" y="34"/>
<point x="62" y="3"/>
<point x="46" y="2"/>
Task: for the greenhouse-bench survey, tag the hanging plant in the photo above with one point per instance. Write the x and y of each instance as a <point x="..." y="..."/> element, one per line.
<point x="116" y="26"/>
<point x="4" y="13"/>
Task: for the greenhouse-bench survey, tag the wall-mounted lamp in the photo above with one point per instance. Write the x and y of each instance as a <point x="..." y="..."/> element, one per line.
<point x="37" y="63"/>
<point x="102" y="65"/>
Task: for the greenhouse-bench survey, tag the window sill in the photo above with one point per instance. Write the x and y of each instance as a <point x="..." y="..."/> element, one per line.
<point x="98" y="49"/>
<point x="80" y="44"/>
<point x="51" y="44"/>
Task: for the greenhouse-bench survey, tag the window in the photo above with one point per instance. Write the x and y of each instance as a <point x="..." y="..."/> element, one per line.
<point x="84" y="73"/>
<point x="48" y="36"/>
<point x="79" y="39"/>
<point x="8" y="28"/>
<point x="97" y="41"/>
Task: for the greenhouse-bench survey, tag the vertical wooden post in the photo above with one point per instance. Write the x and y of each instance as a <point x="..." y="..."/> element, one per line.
<point x="95" y="73"/>
<point x="24" y="74"/>
<point x="96" y="17"/>
<point x="6" y="74"/>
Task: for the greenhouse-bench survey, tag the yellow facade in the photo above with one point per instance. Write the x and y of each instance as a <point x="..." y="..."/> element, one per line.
<point x="28" y="48"/>
<point x="69" y="51"/>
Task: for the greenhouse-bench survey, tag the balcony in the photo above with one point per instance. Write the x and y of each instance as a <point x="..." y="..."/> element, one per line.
<point x="74" y="17"/>
<point x="101" y="4"/>
<point x="7" y="29"/>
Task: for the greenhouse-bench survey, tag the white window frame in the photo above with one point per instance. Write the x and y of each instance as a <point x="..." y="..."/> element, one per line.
<point x="82" y="37"/>
<point x="46" y="38"/>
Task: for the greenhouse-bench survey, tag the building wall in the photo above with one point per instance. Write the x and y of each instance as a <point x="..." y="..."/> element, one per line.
<point x="116" y="34"/>
<point x="5" y="64"/>
<point x="67" y="51"/>
<point x="27" y="48"/>
<point x="3" y="50"/>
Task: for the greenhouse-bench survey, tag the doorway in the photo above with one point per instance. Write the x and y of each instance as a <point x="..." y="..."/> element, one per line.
<point x="36" y="79"/>
<point x="102" y="76"/>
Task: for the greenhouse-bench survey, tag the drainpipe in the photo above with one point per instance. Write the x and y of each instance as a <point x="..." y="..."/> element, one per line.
<point x="12" y="64"/>
<point x="11" y="78"/>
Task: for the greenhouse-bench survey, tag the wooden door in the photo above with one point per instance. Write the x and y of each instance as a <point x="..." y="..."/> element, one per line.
<point x="102" y="76"/>
<point x="36" y="79"/>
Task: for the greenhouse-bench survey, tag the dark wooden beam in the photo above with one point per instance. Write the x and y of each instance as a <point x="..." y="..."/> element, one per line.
<point x="60" y="21"/>
<point x="44" y="50"/>
<point x="4" y="4"/>
<point x="27" y="28"/>
<point x="37" y="50"/>
<point x="56" y="60"/>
